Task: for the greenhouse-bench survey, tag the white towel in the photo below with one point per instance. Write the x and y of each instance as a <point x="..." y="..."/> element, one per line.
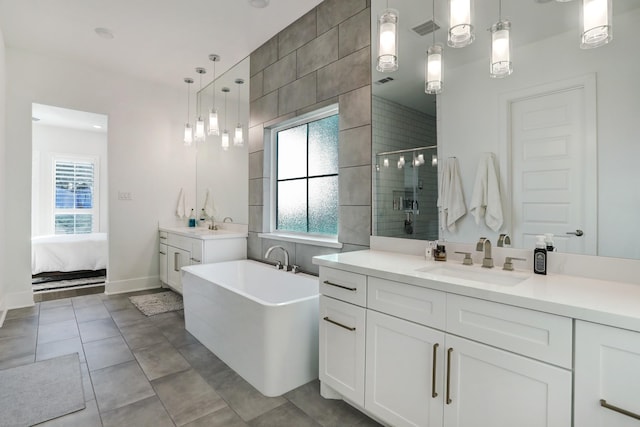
<point x="450" y="196"/>
<point x="181" y="210"/>
<point x="486" y="200"/>
<point x="209" y="208"/>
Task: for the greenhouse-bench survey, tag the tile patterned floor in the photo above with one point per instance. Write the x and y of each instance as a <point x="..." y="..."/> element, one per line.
<point x="149" y="371"/>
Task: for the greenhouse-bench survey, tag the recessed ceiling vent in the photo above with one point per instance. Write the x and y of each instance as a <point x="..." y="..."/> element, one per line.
<point x="426" y="28"/>
<point x="383" y="81"/>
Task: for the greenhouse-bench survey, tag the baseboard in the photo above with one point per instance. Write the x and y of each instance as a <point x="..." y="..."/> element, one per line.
<point x="131" y="285"/>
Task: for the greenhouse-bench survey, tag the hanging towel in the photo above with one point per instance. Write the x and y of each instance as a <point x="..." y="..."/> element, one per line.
<point x="450" y="197"/>
<point x="181" y="210"/>
<point x="486" y="200"/>
<point x="209" y="209"/>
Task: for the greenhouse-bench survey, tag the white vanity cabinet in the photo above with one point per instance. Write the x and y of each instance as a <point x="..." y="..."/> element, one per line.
<point x="607" y="376"/>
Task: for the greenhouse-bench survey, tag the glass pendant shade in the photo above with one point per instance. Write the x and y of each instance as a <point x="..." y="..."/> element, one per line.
<point x="387" y="41"/>
<point x="501" y="65"/>
<point x="214" y="128"/>
<point x="433" y="72"/>
<point x="199" y="134"/>
<point x="238" y="138"/>
<point x="595" y="23"/>
<point x="225" y="140"/>
<point x="188" y="134"/>
<point x="461" y="32"/>
<point x="385" y="162"/>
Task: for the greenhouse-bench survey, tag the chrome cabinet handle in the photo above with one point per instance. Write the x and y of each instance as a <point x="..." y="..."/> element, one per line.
<point x="326" y="282"/>
<point x="162" y="253"/>
<point x="349" y="328"/>
<point x="449" y="351"/>
<point x="176" y="261"/>
<point x="576" y="233"/>
<point x="163" y="238"/>
<point x="434" y="393"/>
<point x="619" y="410"/>
<point x="196" y="260"/>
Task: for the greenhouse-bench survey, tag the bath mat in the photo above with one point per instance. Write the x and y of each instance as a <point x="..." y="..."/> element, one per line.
<point x="152" y="304"/>
<point x="38" y="392"/>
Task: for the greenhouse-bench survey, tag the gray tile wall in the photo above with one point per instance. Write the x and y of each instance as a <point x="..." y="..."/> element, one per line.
<point x="322" y="58"/>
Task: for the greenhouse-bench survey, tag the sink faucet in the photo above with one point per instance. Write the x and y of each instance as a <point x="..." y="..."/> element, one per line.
<point x="227" y="218"/>
<point x="279" y="265"/>
<point x="485" y="245"/>
<point x="504" y="241"/>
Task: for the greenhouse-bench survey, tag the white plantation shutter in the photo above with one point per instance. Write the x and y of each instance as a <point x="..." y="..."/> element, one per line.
<point x="75" y="202"/>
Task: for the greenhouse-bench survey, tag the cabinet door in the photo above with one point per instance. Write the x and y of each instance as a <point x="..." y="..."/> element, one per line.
<point x="485" y="386"/>
<point x="404" y="371"/>
<point x="342" y="348"/>
<point x="607" y="372"/>
<point x="178" y="258"/>
<point x="163" y="263"/>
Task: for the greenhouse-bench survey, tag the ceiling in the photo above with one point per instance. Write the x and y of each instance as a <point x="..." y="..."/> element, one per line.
<point x="49" y="115"/>
<point x="158" y="40"/>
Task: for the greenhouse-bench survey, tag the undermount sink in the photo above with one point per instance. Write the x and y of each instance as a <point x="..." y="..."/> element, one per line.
<point x="478" y="274"/>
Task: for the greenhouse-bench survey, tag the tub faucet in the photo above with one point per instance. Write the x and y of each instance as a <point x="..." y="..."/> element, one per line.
<point x="485" y="245"/>
<point x="279" y="266"/>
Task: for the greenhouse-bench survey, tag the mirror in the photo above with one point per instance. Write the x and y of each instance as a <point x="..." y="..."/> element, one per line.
<point x="473" y="109"/>
<point x="223" y="173"/>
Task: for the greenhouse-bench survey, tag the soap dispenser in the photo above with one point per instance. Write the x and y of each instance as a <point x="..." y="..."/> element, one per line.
<point x="192" y="219"/>
<point x="540" y="256"/>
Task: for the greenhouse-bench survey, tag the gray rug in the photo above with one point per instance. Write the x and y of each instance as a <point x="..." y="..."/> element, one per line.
<point x="38" y="392"/>
<point x="162" y="302"/>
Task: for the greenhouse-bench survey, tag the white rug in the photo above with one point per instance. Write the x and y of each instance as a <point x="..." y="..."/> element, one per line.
<point x="162" y="302"/>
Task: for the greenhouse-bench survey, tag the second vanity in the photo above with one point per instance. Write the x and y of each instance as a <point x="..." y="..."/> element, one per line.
<point x="182" y="246"/>
<point x="421" y="343"/>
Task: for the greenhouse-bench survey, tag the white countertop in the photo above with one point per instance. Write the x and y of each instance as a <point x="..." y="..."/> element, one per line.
<point x="607" y="302"/>
<point x="204" y="233"/>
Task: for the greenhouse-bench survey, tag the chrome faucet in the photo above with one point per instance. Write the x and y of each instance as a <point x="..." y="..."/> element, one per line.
<point x="485" y="245"/>
<point x="279" y="265"/>
<point x="227" y="218"/>
<point x="504" y="241"/>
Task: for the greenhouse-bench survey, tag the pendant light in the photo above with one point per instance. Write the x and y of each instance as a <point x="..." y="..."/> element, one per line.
<point x="238" y="138"/>
<point x="188" y="130"/>
<point x="214" y="128"/>
<point x="200" y="134"/>
<point x="461" y="32"/>
<point x="595" y="23"/>
<point x="387" y="41"/>
<point x="433" y="68"/>
<point x="501" y="65"/>
<point x="225" y="132"/>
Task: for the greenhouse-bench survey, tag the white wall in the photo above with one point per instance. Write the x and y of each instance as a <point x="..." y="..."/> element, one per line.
<point x="2" y="181"/>
<point x="145" y="156"/>
<point x="469" y="123"/>
<point x="52" y="141"/>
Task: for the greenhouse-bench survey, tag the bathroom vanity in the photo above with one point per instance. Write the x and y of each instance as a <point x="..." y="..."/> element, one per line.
<point x="419" y="343"/>
<point x="182" y="246"/>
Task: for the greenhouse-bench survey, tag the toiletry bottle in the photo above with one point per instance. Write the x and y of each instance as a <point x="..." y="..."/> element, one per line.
<point x="192" y="219"/>
<point x="548" y="241"/>
<point x="540" y="257"/>
<point x="203" y="216"/>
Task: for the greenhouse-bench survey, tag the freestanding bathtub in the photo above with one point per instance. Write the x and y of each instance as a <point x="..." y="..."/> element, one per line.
<point x="260" y="321"/>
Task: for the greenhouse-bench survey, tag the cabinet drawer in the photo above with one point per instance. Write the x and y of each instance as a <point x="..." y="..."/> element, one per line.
<point x="420" y="305"/>
<point x="163" y="237"/>
<point x="344" y="285"/>
<point x="178" y="241"/>
<point x="535" y="334"/>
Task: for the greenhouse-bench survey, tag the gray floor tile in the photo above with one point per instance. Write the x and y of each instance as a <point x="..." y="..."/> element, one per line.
<point x="98" y="330"/>
<point x="21" y="327"/>
<point x="56" y="314"/>
<point x="187" y="396"/>
<point x="53" y="349"/>
<point x="87" y="417"/>
<point x="159" y="360"/>
<point x="120" y="385"/>
<point x="107" y="352"/>
<point x="202" y="360"/>
<point x="147" y="412"/>
<point x="248" y="402"/>
<point x="177" y="335"/>
<point x="92" y="312"/>
<point x="142" y="335"/>
<point x="57" y="331"/>
<point x="23" y="312"/>
<point x="86" y="301"/>
<point x="117" y="303"/>
<point x="87" y="385"/>
<point x="284" y="415"/>
<point x="224" y="417"/>
<point x="55" y="303"/>
<point x="128" y="317"/>
<point x="17" y="351"/>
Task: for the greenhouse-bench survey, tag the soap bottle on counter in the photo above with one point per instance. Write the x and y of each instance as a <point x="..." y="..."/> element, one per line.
<point x="540" y="256"/>
<point x="548" y="240"/>
<point x="203" y="217"/>
<point x="192" y="219"/>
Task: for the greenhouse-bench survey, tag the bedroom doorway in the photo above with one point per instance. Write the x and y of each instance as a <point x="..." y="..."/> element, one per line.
<point x="68" y="202"/>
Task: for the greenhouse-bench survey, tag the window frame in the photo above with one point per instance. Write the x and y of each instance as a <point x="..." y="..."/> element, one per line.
<point x="94" y="211"/>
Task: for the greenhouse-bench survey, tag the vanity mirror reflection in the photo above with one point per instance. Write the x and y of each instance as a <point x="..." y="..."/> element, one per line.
<point x="477" y="114"/>
<point x="223" y="172"/>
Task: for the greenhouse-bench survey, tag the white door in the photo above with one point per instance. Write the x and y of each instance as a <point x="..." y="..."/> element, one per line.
<point x="553" y="167"/>
<point x="485" y="386"/>
<point x="404" y="373"/>
<point x="607" y="376"/>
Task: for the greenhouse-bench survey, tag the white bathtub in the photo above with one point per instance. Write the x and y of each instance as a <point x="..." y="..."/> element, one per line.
<point x="260" y="321"/>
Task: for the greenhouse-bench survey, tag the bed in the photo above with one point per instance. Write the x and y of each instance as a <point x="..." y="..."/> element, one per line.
<point x="68" y="252"/>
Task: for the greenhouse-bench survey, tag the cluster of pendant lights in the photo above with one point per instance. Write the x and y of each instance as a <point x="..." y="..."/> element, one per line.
<point x="595" y="27"/>
<point x="213" y="127"/>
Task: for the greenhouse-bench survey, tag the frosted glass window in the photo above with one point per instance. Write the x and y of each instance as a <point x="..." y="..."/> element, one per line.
<point x="307" y="177"/>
